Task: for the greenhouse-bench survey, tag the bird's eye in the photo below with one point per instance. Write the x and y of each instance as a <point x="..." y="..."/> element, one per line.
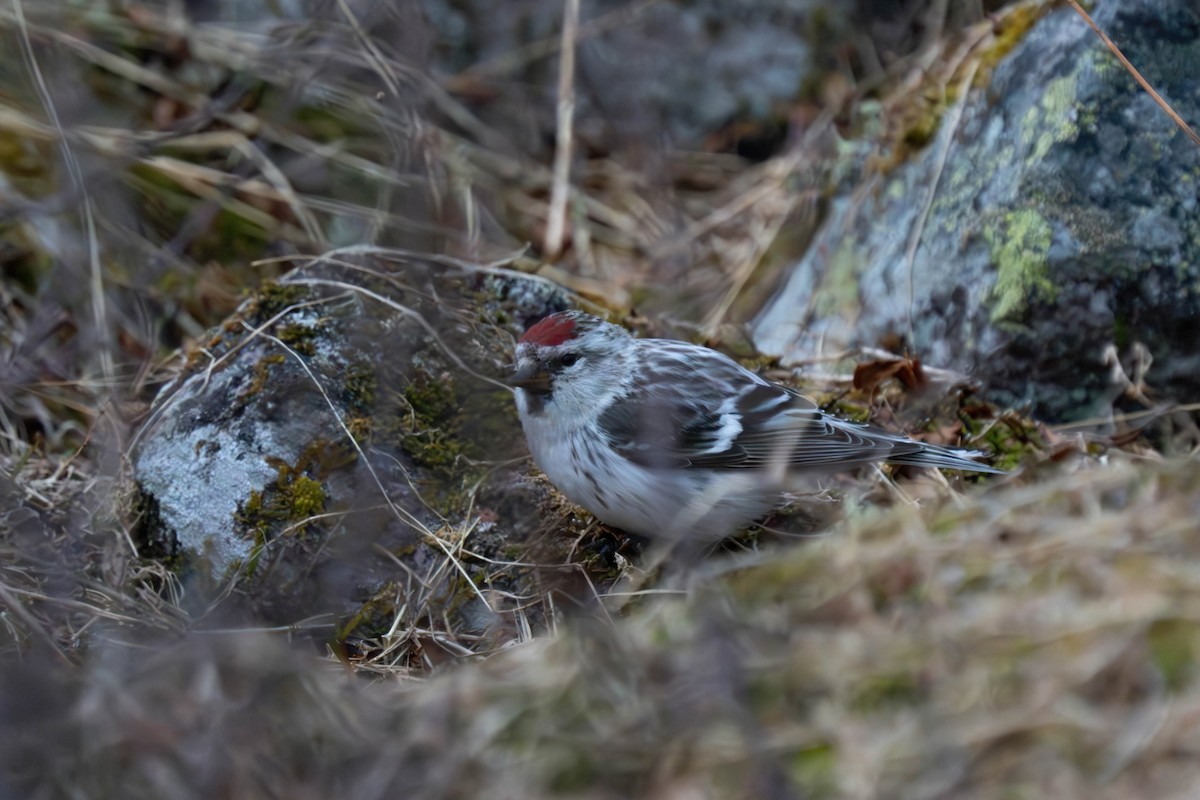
<point x="568" y="360"/>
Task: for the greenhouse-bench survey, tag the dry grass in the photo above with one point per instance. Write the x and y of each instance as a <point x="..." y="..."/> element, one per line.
<point x="1035" y="637"/>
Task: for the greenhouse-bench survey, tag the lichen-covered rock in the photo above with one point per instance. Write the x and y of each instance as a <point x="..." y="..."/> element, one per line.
<point x="1062" y="224"/>
<point x="344" y="433"/>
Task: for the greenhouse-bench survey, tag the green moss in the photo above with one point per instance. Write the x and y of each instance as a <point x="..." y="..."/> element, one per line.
<point x="815" y="768"/>
<point x="26" y="261"/>
<point x="896" y="688"/>
<point x="446" y="428"/>
<point x="299" y="337"/>
<point x="1008" y="441"/>
<point x="575" y="773"/>
<point x="262" y="373"/>
<point x="253" y="507"/>
<point x="374" y="617"/>
<point x="255" y="522"/>
<point x="429" y="428"/>
<point x="307" y="496"/>
<point x="1122" y="332"/>
<point x="431" y="399"/>
<point x="1172" y="645"/>
<point x="360" y="428"/>
<point x="323" y="457"/>
<point x="296" y="495"/>
<point x="922" y="128"/>
<point x="27" y="164"/>
<point x="1009" y="29"/>
<point x="1018" y="248"/>
<point x="359" y="384"/>
<point x="843" y="406"/>
<point x="272" y="298"/>
<point x="166" y="206"/>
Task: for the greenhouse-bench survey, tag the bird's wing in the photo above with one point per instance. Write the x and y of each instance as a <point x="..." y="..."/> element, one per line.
<point x="681" y="408"/>
<point x="693" y="407"/>
<point x="798" y="435"/>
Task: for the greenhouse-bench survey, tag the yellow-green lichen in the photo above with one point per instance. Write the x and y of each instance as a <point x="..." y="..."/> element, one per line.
<point x="1018" y="249"/>
<point x="1053" y="119"/>
<point x="924" y="109"/>
<point x="838" y="294"/>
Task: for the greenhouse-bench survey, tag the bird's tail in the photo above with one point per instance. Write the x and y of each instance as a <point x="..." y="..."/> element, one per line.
<point x="945" y="458"/>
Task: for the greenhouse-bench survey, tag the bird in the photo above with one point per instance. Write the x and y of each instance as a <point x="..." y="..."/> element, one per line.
<point x="671" y="440"/>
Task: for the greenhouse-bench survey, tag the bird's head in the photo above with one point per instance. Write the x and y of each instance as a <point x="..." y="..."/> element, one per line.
<point x="574" y="360"/>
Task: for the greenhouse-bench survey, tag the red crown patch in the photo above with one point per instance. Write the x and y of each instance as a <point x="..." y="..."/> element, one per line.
<point x="551" y="331"/>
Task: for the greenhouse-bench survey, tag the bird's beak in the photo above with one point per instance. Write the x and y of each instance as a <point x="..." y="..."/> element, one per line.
<point x="532" y="376"/>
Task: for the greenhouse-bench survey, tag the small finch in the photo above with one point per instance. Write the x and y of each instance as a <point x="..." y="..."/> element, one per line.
<point x="663" y="438"/>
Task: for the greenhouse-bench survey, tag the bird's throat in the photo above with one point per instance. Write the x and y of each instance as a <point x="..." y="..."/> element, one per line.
<point x="535" y="401"/>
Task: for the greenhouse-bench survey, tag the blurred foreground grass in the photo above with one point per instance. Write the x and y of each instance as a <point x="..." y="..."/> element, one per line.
<point x="1032" y="638"/>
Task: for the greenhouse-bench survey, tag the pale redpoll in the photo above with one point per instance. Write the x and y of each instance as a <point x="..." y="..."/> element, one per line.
<point x="668" y="439"/>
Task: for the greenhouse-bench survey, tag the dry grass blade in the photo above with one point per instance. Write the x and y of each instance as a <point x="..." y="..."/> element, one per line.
<point x="556" y="223"/>
<point x="510" y="62"/>
<point x="99" y="300"/>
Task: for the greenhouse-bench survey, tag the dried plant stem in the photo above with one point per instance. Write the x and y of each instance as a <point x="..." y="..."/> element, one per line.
<point x="96" y="275"/>
<point x="1137" y="76"/>
<point x="560" y="190"/>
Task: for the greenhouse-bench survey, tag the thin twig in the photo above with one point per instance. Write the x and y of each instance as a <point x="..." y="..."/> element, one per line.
<point x="561" y="187"/>
<point x="510" y="62"/>
<point x="1137" y="76"/>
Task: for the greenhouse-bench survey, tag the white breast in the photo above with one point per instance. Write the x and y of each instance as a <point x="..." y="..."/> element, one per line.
<point x="669" y="503"/>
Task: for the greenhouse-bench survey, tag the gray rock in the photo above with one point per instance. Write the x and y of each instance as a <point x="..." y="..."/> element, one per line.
<point x="334" y="424"/>
<point x="1063" y="222"/>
